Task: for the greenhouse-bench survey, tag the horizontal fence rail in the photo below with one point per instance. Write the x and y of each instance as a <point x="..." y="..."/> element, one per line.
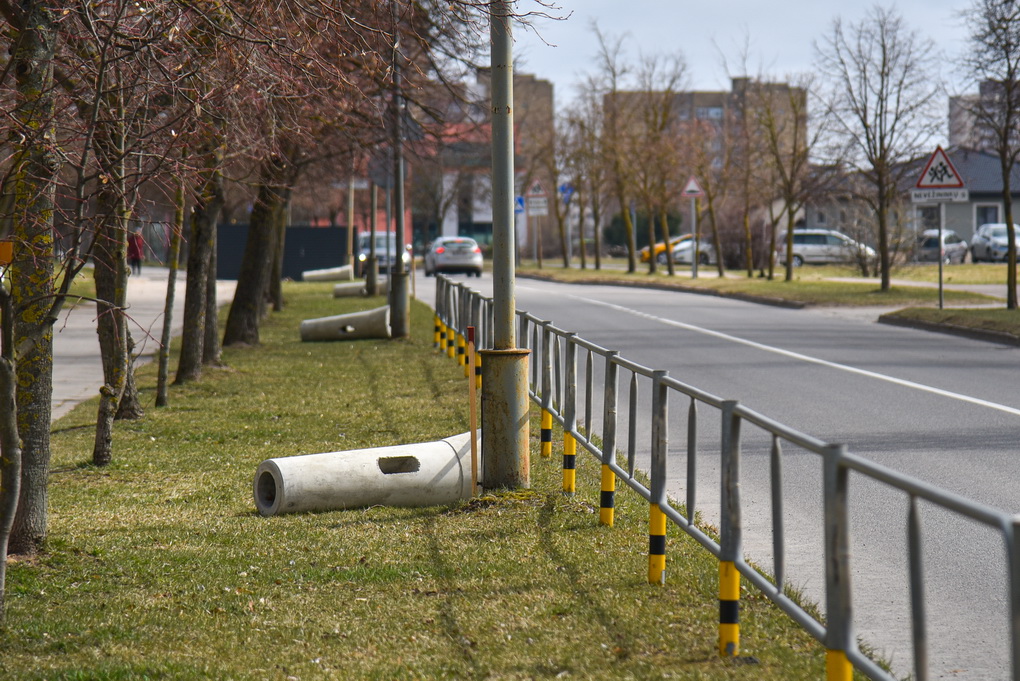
<point x="563" y="383"/>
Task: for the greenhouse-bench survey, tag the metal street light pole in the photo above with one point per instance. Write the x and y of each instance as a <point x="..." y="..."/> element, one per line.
<point x="400" y="308"/>
<point x="505" y="427"/>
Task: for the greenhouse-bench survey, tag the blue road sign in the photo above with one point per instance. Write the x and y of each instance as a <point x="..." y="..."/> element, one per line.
<point x="518" y="204"/>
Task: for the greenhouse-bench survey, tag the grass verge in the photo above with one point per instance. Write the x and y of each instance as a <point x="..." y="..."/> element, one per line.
<point x="159" y="567"/>
<point x="808" y="289"/>
<point x="998" y="323"/>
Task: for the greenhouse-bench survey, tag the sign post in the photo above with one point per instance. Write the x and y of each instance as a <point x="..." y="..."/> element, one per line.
<point x="694" y="191"/>
<point x="940" y="183"/>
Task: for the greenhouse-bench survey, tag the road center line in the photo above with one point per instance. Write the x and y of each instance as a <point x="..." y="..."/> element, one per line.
<point x="807" y="358"/>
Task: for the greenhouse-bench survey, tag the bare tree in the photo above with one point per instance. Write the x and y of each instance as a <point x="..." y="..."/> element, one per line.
<point x="781" y="111"/>
<point x="994" y="60"/>
<point x="615" y="134"/>
<point x="881" y="103"/>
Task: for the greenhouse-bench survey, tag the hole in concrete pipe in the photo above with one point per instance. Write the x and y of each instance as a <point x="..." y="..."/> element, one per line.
<point x="266" y="489"/>
<point x="399" y="464"/>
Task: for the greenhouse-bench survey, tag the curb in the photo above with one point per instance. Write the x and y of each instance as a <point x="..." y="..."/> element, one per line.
<point x="680" y="288"/>
<point x="951" y="329"/>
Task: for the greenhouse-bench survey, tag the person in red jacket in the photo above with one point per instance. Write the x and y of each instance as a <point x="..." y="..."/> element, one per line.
<point x="135" y="251"/>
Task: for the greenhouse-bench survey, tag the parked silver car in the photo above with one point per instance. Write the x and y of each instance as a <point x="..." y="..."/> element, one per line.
<point x="816" y="246"/>
<point x="454" y="254"/>
<point x="953" y="247"/>
<point x="990" y="242"/>
<point x="683" y="253"/>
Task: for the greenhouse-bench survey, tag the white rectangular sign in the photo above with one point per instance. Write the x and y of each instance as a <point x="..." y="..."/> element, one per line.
<point x="538" y="206"/>
<point x="939" y="195"/>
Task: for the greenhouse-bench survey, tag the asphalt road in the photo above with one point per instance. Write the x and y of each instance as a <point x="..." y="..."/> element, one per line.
<point x="937" y="407"/>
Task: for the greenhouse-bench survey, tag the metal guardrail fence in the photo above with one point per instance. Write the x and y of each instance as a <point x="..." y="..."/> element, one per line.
<point x="554" y="385"/>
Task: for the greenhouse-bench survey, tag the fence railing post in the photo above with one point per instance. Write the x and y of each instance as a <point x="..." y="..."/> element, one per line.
<point x="839" y="636"/>
<point x="546" y="432"/>
<point x="657" y="472"/>
<point x="730" y="535"/>
<point x="607" y="496"/>
<point x="570" y="417"/>
<point x="1013" y="539"/>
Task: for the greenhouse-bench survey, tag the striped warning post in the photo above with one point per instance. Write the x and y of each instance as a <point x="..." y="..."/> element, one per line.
<point x="656" y="545"/>
<point x="442" y="336"/>
<point x="607" y="497"/>
<point x="569" y="464"/>
<point x="437" y="331"/>
<point x="462" y="352"/>
<point x="478" y="371"/>
<point x="451" y="350"/>
<point x="546" y="433"/>
<point x="837" y="666"/>
<point x="729" y="609"/>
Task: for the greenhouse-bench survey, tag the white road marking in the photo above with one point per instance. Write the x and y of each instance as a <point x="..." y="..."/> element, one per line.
<point x="807" y="358"/>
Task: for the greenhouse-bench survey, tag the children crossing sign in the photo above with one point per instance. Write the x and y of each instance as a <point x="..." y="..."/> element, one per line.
<point x="939" y="181"/>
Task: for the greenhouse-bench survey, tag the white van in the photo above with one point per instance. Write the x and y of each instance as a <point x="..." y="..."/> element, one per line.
<point x="816" y="246"/>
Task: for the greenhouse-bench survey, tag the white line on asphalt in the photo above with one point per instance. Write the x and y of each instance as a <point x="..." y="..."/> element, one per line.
<point x="807" y="358"/>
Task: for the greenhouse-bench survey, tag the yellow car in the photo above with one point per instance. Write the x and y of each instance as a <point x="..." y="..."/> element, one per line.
<point x="660" y="247"/>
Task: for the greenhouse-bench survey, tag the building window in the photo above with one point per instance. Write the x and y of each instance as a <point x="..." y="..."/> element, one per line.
<point x="928" y="217"/>
<point x="985" y="213"/>
<point x="820" y="217"/>
<point x="709" y="112"/>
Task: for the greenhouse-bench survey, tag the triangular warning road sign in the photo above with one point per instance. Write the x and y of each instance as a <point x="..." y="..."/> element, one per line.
<point x="692" y="188"/>
<point x="536" y="189"/>
<point x="939" y="173"/>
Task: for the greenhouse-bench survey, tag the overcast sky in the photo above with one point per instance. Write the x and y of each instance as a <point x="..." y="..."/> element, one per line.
<point x="781" y="35"/>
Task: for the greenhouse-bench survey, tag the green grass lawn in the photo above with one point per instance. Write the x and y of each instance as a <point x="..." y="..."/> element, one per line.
<point x="159" y="567"/>
<point x="810" y="286"/>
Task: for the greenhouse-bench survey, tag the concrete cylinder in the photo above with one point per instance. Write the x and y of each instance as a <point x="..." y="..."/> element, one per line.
<point x="506" y="459"/>
<point x="423" y="474"/>
<point x="368" y="324"/>
<point x="343" y="273"/>
<point x="349" y="290"/>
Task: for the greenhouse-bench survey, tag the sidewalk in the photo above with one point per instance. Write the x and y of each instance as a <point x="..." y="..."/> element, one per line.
<point x="77" y="365"/>
<point x="994" y="290"/>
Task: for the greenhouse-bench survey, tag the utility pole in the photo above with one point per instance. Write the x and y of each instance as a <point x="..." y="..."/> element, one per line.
<point x="505" y="427"/>
<point x="400" y="308"/>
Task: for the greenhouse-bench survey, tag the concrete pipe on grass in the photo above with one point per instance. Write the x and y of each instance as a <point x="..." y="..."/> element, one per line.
<point x="343" y="273"/>
<point x="354" y="289"/>
<point x="368" y="324"/>
<point x="422" y="474"/>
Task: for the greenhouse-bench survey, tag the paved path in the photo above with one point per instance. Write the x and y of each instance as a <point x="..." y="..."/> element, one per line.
<point x="77" y="367"/>
<point x="994" y="290"/>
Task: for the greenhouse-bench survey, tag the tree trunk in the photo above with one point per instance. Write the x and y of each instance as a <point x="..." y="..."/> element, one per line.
<point x="276" y="278"/>
<point x="31" y="177"/>
<point x="664" y="225"/>
<point x="652" y="259"/>
<point x="1007" y="204"/>
<point x="596" y="216"/>
<point x="628" y="227"/>
<point x="130" y="407"/>
<point x="883" y="229"/>
<point x="580" y="230"/>
<point x="110" y="257"/>
<point x="10" y="447"/>
<point x="171" y="293"/>
<point x="212" y="354"/>
<point x="203" y="230"/>
<point x="256" y="265"/>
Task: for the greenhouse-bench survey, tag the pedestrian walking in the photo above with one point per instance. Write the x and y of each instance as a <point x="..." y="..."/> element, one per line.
<point x="135" y="251"/>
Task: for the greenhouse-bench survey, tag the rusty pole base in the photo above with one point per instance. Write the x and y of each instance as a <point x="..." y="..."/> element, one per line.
<point x="505" y="428"/>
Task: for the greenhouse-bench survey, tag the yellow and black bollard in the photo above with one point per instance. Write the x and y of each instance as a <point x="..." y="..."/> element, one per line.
<point x="607" y="498"/>
<point x="462" y="353"/>
<point x="656" y="545"/>
<point x="546" y="433"/>
<point x="478" y="371"/>
<point x="451" y="350"/>
<point x="442" y="336"/>
<point x="729" y="609"/>
<point x="569" y="464"/>
<point x="437" y="331"/>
